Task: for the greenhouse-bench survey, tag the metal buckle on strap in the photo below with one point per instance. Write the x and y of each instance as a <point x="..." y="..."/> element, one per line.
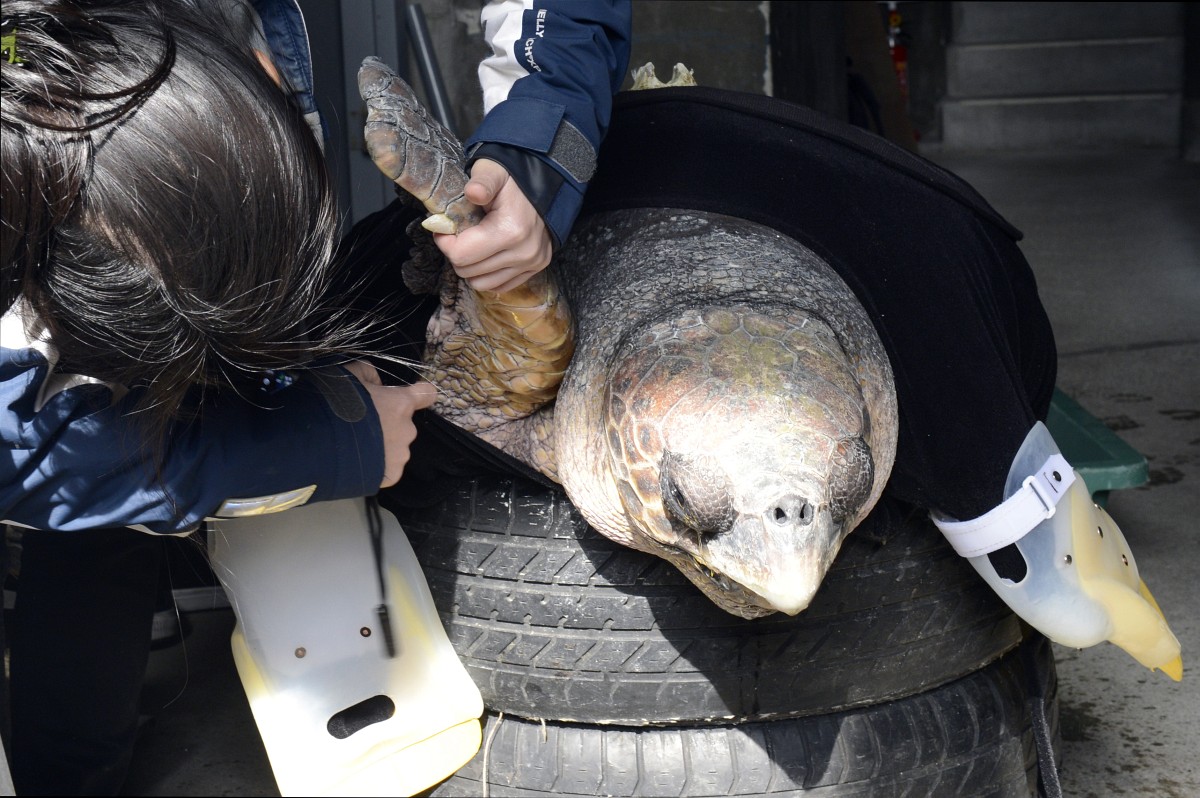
<point x="1048" y="502"/>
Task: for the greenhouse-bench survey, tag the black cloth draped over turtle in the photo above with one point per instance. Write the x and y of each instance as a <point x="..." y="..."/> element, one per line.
<point x="938" y="270"/>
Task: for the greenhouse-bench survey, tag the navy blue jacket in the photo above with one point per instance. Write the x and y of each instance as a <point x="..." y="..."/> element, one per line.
<point x="547" y="96"/>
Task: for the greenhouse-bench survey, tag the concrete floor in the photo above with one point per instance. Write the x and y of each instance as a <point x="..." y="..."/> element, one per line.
<point x="1115" y="240"/>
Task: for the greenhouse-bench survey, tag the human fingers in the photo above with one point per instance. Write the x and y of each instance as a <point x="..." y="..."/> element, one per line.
<point x="502" y="229"/>
<point x="421" y="394"/>
<point x="487" y="178"/>
<point x="502" y="279"/>
<point x="395" y="406"/>
<point x="509" y="267"/>
<point x="512" y="233"/>
<point x="364" y="371"/>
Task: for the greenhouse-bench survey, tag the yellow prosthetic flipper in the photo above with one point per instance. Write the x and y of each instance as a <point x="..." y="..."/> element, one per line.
<point x="1108" y="575"/>
<point x="1077" y="582"/>
<point x="340" y="711"/>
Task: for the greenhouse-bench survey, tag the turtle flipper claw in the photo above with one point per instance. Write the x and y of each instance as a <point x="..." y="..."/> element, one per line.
<point x="414" y="149"/>
<point x="441" y="223"/>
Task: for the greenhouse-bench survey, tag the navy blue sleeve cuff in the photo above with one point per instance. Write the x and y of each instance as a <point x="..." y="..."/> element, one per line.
<point x="323" y="431"/>
<point x="556" y="198"/>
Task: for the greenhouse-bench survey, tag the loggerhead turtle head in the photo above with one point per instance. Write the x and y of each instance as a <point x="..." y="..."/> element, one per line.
<point x="740" y="445"/>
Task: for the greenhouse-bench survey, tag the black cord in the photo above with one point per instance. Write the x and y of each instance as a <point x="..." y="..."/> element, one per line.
<point x="1043" y="736"/>
<point x="375" y="527"/>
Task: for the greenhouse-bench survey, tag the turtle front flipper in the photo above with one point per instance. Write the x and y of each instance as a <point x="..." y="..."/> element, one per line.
<point x="497" y="357"/>
<point x="414" y="149"/>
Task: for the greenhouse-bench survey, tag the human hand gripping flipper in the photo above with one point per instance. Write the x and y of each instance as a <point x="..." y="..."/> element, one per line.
<point x="490" y="352"/>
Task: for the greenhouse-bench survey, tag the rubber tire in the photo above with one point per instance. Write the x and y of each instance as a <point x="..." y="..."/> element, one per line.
<point x="971" y="737"/>
<point x="554" y="621"/>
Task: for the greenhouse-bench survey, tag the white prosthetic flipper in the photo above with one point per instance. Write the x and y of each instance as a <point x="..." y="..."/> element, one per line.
<point x="352" y="681"/>
<point x="1078" y="584"/>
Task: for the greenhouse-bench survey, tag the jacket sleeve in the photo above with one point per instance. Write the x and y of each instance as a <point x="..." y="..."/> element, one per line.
<point x="76" y="460"/>
<point x="547" y="91"/>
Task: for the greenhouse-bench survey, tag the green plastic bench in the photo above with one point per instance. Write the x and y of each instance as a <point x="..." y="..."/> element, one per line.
<point x="1104" y="461"/>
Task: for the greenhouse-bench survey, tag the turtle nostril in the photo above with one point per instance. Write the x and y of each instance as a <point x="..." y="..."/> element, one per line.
<point x="792" y="511"/>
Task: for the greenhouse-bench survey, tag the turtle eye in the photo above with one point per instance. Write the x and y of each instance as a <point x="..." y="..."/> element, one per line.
<point x="851" y="476"/>
<point x="695" y="493"/>
<point x="676" y="503"/>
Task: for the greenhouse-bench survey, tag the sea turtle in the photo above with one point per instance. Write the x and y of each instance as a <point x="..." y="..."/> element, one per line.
<point x="725" y="401"/>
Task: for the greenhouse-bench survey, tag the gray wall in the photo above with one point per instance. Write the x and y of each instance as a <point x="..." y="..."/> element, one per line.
<point x="1191" y="83"/>
<point x="726" y="42"/>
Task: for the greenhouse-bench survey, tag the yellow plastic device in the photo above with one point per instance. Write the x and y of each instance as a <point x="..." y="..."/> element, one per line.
<point x="338" y="714"/>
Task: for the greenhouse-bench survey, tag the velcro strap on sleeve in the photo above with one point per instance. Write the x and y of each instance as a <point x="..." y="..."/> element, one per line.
<point x="573" y="152"/>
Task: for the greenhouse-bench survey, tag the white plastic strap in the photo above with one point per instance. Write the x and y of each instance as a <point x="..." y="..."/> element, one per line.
<point x="1013" y="519"/>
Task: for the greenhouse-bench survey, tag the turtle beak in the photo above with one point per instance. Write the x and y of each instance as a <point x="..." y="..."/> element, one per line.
<point x="781" y="557"/>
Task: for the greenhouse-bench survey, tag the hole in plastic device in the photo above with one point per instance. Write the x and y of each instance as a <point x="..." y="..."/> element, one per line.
<point x="375" y="709"/>
<point x="1009" y="563"/>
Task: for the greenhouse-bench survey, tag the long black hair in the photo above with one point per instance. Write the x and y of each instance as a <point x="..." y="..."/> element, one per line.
<point x="167" y="214"/>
